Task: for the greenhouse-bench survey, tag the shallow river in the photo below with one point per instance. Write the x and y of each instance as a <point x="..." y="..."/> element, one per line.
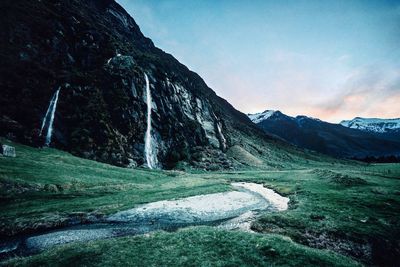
<point x="233" y="210"/>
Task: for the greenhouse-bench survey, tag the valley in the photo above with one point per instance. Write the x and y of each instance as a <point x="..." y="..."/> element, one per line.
<point x="114" y="153"/>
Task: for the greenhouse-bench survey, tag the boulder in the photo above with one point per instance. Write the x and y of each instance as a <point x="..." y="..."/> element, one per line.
<point x="132" y="164"/>
<point x="8" y="151"/>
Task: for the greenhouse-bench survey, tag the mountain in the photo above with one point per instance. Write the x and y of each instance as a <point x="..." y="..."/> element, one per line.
<point x="80" y="76"/>
<point x="327" y="138"/>
<point x="373" y="124"/>
<point x="259" y="117"/>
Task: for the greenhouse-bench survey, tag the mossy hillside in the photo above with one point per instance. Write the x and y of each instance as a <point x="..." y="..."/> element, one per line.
<point x="253" y="152"/>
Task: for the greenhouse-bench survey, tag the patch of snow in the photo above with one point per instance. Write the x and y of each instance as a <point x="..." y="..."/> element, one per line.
<point x="259" y="117"/>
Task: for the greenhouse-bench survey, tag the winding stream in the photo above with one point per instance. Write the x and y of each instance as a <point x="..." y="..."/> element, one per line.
<point x="233" y="210"/>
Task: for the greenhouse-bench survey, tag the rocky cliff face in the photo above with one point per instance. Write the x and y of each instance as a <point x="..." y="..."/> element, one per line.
<point x="95" y="53"/>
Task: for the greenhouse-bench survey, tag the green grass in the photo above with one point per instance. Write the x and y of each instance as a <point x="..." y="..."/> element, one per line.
<point x="354" y="210"/>
<point x="199" y="246"/>
<point x="335" y="208"/>
<point x="45" y="188"/>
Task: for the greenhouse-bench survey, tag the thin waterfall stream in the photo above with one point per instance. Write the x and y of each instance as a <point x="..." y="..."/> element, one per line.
<point x="149" y="149"/>
<point x="49" y="118"/>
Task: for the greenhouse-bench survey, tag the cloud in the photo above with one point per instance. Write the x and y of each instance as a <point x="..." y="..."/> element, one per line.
<point x="368" y="91"/>
<point x="296" y="84"/>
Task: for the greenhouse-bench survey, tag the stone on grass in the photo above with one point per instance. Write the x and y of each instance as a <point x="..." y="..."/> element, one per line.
<point x="8" y="151"/>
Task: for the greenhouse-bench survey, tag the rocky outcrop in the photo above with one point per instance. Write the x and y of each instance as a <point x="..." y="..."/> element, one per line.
<point x="95" y="53"/>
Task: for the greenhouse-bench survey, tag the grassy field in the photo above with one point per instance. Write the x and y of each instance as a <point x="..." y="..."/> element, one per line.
<point x="354" y="211"/>
<point x="43" y="188"/>
<point x="199" y="246"/>
<point x="340" y="214"/>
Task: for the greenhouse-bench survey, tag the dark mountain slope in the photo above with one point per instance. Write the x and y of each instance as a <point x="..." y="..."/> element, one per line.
<point x="328" y="138"/>
<point x="95" y="53"/>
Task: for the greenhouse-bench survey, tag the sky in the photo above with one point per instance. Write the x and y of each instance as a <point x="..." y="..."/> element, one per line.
<point x="331" y="60"/>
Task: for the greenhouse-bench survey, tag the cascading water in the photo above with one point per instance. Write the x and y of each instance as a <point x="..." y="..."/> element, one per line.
<point x="49" y="118"/>
<point x="149" y="149"/>
<point x="222" y="137"/>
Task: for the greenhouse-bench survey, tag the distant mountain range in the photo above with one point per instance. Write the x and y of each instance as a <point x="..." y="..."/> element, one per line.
<point x="357" y="138"/>
<point x="373" y="124"/>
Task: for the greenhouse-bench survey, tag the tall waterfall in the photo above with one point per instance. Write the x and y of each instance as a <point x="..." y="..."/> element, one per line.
<point x="149" y="149"/>
<point x="49" y="117"/>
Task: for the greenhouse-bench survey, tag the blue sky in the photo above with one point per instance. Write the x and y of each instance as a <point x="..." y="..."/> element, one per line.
<point x="328" y="59"/>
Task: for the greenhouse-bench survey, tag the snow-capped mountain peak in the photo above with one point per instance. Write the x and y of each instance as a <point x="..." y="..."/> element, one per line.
<point x="267" y="114"/>
<point x="373" y="124"/>
<point x="261" y="116"/>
